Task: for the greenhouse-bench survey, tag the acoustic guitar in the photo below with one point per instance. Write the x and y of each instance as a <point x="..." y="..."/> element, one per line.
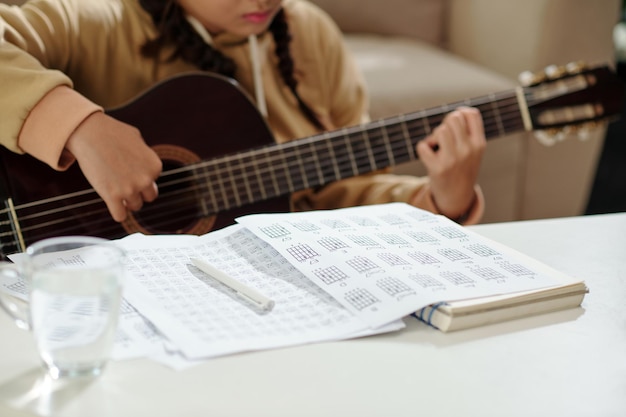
<point x="221" y="161"/>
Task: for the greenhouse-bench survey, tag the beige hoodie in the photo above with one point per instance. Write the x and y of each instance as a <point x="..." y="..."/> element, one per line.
<point x="83" y="57"/>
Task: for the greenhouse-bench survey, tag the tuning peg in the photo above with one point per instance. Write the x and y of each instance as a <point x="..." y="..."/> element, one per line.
<point x="545" y="138"/>
<point x="575" y="67"/>
<point x="550" y="137"/>
<point x="584" y="130"/>
<point x="554" y="71"/>
<point x="529" y="78"/>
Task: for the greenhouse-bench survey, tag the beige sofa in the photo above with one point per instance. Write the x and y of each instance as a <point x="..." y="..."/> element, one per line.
<point x="422" y="53"/>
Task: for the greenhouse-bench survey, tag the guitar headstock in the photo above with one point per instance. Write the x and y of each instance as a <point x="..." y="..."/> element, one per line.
<point x="571" y="99"/>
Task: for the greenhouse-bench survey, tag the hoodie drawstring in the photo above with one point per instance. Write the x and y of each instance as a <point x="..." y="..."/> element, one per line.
<point x="256" y="73"/>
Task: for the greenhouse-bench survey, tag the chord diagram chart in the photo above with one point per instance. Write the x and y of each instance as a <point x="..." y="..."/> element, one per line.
<point x="332" y="244"/>
<point x="18" y="286"/>
<point x="516" y="269"/>
<point x="363" y="221"/>
<point x="393" y="219"/>
<point x="392" y="239"/>
<point x="364" y="241"/>
<point x="360" y="298"/>
<point x="450" y="232"/>
<point x="452" y="254"/>
<point x="362" y="265"/>
<point x="420" y="215"/>
<point x="424" y="258"/>
<point x="457" y="278"/>
<point x="482" y="250"/>
<point x="427" y="253"/>
<point x="275" y="231"/>
<point x="393" y="259"/>
<point x="305" y="226"/>
<point x="487" y="273"/>
<point x="422" y="237"/>
<point x="330" y="275"/>
<point x="209" y="319"/>
<point x="335" y="224"/>
<point x="302" y="252"/>
<point x="394" y="287"/>
<point x="426" y="281"/>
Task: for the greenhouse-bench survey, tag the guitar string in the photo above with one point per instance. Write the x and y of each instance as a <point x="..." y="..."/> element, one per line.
<point x="356" y="155"/>
<point x="489" y="120"/>
<point x="193" y="200"/>
<point x="187" y="168"/>
<point x="300" y="156"/>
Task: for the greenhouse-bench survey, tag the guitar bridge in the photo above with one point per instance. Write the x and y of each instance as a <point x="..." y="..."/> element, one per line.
<point x="11" y="238"/>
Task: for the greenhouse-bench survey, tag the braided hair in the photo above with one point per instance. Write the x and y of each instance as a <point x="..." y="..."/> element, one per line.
<point x="174" y="29"/>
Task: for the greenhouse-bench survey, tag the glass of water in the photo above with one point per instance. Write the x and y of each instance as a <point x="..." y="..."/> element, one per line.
<point x="74" y="296"/>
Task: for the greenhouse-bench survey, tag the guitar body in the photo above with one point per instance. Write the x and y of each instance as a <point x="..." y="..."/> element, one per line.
<point x="186" y="119"/>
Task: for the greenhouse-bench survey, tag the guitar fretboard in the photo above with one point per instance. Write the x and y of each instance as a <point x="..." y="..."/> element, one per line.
<point x="275" y="170"/>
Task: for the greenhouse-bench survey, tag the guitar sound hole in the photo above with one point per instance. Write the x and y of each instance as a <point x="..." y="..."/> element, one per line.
<point x="177" y="209"/>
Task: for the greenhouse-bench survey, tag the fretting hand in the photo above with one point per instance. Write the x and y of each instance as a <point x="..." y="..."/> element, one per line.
<point x="452" y="156"/>
<point x="117" y="163"/>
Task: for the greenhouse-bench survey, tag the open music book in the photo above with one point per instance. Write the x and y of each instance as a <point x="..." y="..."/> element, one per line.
<point x="387" y="261"/>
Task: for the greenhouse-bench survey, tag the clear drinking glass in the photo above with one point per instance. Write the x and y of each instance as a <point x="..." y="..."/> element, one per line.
<point x="74" y="292"/>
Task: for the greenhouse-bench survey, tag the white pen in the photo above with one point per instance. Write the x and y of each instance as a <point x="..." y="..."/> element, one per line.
<point x="249" y="294"/>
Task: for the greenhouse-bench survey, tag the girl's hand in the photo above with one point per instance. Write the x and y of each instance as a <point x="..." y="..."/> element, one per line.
<point x="117" y="162"/>
<point x="452" y="156"/>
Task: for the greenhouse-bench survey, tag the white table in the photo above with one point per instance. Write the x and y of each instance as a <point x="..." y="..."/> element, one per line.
<point x="569" y="363"/>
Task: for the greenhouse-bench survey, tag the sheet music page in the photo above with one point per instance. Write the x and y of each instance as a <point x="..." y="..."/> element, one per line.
<point x="386" y="261"/>
<point x="203" y="318"/>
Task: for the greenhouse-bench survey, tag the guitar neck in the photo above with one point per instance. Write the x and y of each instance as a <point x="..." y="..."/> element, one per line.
<point x="275" y="170"/>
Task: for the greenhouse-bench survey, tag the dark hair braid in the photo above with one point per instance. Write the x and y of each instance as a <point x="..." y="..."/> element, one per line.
<point x="174" y="29"/>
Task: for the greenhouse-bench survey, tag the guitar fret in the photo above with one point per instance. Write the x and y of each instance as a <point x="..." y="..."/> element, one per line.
<point x="405" y="131"/>
<point x="512" y="110"/>
<point x="229" y="192"/>
<point x="318" y="167"/>
<point x="246" y="178"/>
<point x="349" y="151"/>
<point x="426" y="124"/>
<point x="498" y="116"/>
<point x="197" y="177"/>
<point x="222" y="187"/>
<point x="285" y="166"/>
<point x="368" y="148"/>
<point x="322" y="169"/>
<point x="271" y="171"/>
<point x="390" y="157"/>
<point x="333" y="157"/>
<point x="360" y="153"/>
<point x="301" y="167"/>
<point x="259" y="179"/>
<point x="380" y="146"/>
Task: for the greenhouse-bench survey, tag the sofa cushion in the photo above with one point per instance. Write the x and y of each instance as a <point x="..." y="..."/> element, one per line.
<point x="405" y="75"/>
<point x="422" y="19"/>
